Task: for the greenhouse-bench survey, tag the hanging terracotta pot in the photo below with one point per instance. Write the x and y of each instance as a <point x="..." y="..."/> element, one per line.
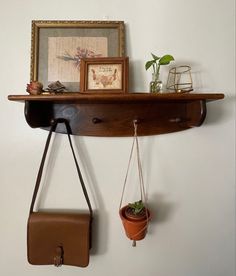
<point x="135" y="216"/>
<point x="135" y="225"/>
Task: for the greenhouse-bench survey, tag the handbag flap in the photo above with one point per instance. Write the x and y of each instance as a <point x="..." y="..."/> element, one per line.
<point x="69" y="232"/>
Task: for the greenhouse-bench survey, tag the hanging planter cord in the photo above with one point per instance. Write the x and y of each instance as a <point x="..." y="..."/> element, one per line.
<point x="141" y="182"/>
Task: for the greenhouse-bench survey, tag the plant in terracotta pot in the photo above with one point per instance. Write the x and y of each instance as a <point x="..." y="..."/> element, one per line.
<point x="135" y="218"/>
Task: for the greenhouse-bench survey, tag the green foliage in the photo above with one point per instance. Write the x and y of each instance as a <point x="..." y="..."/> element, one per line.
<point x="156" y="62"/>
<point x="136" y="207"/>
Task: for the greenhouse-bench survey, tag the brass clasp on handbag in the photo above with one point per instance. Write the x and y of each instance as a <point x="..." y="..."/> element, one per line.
<point x="58" y="259"/>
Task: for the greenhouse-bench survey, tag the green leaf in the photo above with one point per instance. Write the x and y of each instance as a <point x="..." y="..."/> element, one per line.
<point x="166" y="59"/>
<point x="149" y="64"/>
<point x="155" y="57"/>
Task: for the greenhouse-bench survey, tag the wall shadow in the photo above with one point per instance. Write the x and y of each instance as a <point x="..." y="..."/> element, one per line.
<point x="100" y="221"/>
<point x="52" y="156"/>
<point x="161" y="209"/>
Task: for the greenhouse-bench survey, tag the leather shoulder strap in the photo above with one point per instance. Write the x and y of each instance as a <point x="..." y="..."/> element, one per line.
<point x="40" y="172"/>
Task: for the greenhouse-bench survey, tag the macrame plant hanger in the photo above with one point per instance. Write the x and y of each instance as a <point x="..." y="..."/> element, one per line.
<point x="140" y="230"/>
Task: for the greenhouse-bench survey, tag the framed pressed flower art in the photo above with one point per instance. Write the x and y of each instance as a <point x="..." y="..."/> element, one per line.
<point x="104" y="75"/>
<point x="58" y="47"/>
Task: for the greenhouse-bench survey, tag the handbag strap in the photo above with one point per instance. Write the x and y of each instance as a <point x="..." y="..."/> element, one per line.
<point x="40" y="172"/>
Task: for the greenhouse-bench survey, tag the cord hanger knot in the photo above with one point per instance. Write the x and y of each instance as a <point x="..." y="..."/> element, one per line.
<point x="135" y="122"/>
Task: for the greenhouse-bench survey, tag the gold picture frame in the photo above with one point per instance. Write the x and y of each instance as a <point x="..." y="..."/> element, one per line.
<point x="58" y="46"/>
<point x="104" y="75"/>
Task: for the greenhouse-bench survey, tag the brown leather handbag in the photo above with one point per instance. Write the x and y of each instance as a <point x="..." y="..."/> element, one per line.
<point x="59" y="238"/>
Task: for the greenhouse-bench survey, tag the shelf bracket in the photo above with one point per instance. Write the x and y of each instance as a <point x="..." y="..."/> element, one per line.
<point x="38" y="114"/>
<point x="196" y="112"/>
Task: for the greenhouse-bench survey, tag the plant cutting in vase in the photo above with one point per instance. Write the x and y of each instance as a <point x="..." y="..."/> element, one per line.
<point x="155" y="63"/>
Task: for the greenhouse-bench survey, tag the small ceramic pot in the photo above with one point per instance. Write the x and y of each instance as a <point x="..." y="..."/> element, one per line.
<point x="135" y="229"/>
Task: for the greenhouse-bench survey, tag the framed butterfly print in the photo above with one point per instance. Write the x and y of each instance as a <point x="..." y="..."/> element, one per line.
<point x="104" y="75"/>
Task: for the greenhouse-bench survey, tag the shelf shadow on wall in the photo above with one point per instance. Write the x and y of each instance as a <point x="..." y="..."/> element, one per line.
<point x="220" y="110"/>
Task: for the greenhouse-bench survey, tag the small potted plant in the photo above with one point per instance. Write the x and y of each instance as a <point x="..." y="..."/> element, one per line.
<point x="155" y="63"/>
<point x="135" y="218"/>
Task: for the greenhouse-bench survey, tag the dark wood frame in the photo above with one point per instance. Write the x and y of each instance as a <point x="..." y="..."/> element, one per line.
<point x="84" y="73"/>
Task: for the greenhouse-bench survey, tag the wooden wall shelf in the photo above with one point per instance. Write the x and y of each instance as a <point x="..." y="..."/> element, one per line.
<point x="113" y="114"/>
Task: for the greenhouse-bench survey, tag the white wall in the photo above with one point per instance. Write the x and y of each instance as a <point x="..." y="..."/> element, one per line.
<point x="190" y="175"/>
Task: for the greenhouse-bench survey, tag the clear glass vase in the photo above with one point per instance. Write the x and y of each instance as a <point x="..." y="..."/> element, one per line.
<point x="156" y="84"/>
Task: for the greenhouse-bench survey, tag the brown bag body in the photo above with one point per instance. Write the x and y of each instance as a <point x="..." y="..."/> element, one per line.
<point x="59" y="238"/>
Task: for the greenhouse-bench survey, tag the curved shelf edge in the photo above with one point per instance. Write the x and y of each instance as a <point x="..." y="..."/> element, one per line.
<point x="111" y="97"/>
<point x="110" y="115"/>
